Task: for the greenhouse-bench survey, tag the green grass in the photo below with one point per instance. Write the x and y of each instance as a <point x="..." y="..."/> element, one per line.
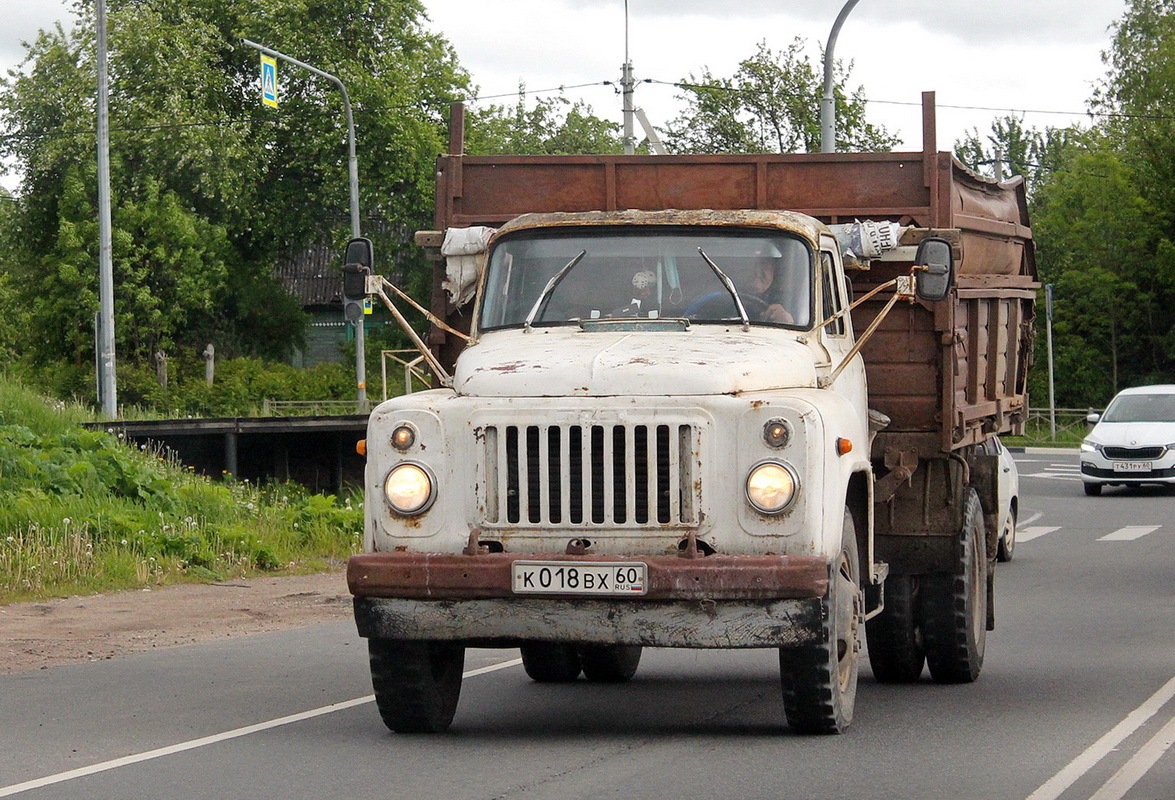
<point x="82" y="512"/>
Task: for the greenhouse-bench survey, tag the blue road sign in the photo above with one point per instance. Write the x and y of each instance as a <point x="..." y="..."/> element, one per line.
<point x="269" y="81"/>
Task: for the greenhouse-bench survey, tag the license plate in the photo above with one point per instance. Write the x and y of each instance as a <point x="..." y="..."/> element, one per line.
<point x="565" y="577"/>
<point x="1132" y="466"/>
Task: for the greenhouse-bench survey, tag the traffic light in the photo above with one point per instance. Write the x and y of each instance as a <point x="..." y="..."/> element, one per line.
<point x="357" y="263"/>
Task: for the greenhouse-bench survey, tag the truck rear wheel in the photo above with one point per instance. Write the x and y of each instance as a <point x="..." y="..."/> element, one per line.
<point x="895" y="640"/>
<point x="954" y="607"/>
<point x="609" y="663"/>
<point x="550" y="663"/>
<point x="820" y="681"/>
<point x="417" y="684"/>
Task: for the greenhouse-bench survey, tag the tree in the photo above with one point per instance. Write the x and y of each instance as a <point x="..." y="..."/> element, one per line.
<point x="553" y="126"/>
<point x="1096" y="237"/>
<point x="770" y="105"/>
<point x="209" y="186"/>
<point x="1012" y="149"/>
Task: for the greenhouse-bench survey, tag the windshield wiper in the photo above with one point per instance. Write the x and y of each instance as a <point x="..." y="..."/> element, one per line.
<point x="729" y="284"/>
<point x="545" y="294"/>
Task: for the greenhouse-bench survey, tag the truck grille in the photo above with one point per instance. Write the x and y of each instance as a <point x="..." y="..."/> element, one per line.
<point x="1134" y="453"/>
<point x="589" y="475"/>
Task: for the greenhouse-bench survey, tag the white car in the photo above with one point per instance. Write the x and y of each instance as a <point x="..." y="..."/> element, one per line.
<point x="1007" y="497"/>
<point x="1133" y="442"/>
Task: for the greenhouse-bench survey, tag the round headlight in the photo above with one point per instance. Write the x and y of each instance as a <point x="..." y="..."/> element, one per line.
<point x="409" y="488"/>
<point x="771" y="487"/>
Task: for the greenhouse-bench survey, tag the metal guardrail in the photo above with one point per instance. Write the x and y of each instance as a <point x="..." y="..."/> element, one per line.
<point x="1070" y="423"/>
<point x="301" y="408"/>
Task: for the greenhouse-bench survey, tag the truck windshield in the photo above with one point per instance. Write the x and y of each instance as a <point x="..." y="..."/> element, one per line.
<point x="648" y="273"/>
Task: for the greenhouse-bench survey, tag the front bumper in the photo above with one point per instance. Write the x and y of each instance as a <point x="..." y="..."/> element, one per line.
<point x="1097" y="469"/>
<point x="712" y="602"/>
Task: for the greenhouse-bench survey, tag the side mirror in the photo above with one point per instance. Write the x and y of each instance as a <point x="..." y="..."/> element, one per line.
<point x="938" y="274"/>
<point x="1093" y="418"/>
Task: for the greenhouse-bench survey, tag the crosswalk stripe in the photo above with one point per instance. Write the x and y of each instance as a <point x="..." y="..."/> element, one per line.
<point x="1027" y="534"/>
<point x="1129" y="533"/>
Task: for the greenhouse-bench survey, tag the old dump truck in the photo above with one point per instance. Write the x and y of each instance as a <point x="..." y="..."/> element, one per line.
<point x="700" y="402"/>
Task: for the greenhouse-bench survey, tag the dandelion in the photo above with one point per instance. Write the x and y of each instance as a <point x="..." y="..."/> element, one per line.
<point x="12" y="538"/>
<point x="65" y="521"/>
<point x="124" y="542"/>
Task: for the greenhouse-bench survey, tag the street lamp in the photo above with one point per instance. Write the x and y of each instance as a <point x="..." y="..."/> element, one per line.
<point x="828" y="102"/>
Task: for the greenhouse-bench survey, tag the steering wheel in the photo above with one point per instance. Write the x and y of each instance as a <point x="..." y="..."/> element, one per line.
<point x="718" y="302"/>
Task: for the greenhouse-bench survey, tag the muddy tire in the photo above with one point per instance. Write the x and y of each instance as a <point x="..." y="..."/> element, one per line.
<point x="417" y="684"/>
<point x="896" y="653"/>
<point x="954" y="607"/>
<point x="819" y="682"/>
<point x="609" y="663"/>
<point x="550" y="663"/>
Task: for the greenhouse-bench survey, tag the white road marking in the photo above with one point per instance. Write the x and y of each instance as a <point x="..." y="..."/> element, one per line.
<point x="1055" y="786"/>
<point x="138" y="758"/>
<point x="1139" y="765"/>
<point x="1129" y="533"/>
<point x="1053" y="475"/>
<point x="1030" y="533"/>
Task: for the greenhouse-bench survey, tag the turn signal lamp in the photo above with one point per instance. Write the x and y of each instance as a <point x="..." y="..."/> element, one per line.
<point x="776" y="433"/>
<point x="844" y="447"/>
<point x="403" y="437"/>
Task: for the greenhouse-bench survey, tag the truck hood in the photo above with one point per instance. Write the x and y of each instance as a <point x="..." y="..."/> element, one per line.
<point x="563" y="361"/>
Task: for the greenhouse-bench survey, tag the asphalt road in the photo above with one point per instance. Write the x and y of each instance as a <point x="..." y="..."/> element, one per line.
<point x="1075" y="703"/>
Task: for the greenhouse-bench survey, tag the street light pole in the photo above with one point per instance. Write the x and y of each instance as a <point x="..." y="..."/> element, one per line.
<point x="353" y="175"/>
<point x="828" y="101"/>
<point x="107" y="382"/>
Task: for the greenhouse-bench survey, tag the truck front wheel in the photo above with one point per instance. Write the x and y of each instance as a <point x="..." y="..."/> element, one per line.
<point x="417" y="684"/>
<point x="820" y="681"/>
<point x="954" y="607"/>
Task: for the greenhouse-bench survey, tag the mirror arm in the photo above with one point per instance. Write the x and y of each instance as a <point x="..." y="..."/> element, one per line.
<point x="433" y="362"/>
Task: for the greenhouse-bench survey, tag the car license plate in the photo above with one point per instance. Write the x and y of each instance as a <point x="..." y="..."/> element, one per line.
<point x="1132" y="466"/>
<point x="578" y="577"/>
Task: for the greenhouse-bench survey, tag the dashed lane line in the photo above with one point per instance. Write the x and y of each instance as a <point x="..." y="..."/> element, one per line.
<point x="1029" y="533"/>
<point x="1129" y="533"/>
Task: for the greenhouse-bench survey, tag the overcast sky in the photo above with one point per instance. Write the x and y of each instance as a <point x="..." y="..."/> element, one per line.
<point x="1037" y="55"/>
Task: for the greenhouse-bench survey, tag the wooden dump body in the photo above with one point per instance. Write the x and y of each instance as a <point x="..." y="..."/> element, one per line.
<point x="948" y="375"/>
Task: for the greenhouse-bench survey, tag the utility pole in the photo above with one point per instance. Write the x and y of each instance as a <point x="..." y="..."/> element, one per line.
<point x="353" y="174"/>
<point x="107" y="383"/>
<point x="626" y="89"/>
<point x="828" y="102"/>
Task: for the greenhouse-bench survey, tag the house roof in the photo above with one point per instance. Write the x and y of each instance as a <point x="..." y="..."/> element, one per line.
<point x="312" y="275"/>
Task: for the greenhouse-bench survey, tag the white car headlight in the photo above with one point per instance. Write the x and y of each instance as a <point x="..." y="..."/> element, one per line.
<point x="771" y="486"/>
<point x="409" y="488"/>
<point x="1090" y="447"/>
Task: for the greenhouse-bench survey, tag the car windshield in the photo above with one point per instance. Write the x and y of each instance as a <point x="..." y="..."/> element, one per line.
<point x="1141" y="408"/>
<point x="647" y="273"/>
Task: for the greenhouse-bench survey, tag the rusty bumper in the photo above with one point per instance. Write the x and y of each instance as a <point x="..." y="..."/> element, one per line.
<point x="714" y="602"/>
<point x="442" y="576"/>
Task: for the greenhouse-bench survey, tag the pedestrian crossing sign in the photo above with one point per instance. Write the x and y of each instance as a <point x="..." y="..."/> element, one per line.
<point x="269" y="81"/>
